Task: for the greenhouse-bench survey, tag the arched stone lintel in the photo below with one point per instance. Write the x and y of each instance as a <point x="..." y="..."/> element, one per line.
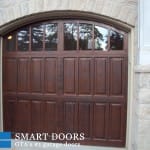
<point x="53" y="15"/>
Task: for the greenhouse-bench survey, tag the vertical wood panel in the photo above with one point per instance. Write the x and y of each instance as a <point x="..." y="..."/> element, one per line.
<point x="50" y="117"/>
<point x="84" y="119"/>
<point x="50" y="75"/>
<point x="69" y="75"/>
<point x="100" y="116"/>
<point x="36" y="116"/>
<point x="100" y="76"/>
<point x="60" y="84"/>
<point x="115" y="121"/>
<point x="70" y="117"/>
<point x="116" y="76"/>
<point x="23" y="70"/>
<point x="11" y="74"/>
<point x="36" y="75"/>
<point x="84" y="76"/>
<point x="60" y="116"/>
<point x="10" y="123"/>
<point x="23" y="118"/>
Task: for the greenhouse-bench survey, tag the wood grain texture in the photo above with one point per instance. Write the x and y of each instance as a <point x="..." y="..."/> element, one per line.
<point x="67" y="91"/>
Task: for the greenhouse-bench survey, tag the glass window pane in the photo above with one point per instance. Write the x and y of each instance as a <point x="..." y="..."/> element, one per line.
<point x="10" y="42"/>
<point x="70" y="36"/>
<point x="85" y="35"/>
<point x="51" y="36"/>
<point x="23" y="39"/>
<point x="37" y="37"/>
<point x="116" y="41"/>
<point x="101" y="38"/>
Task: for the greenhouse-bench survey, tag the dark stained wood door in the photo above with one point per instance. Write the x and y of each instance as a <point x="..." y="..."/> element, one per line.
<point x="69" y="86"/>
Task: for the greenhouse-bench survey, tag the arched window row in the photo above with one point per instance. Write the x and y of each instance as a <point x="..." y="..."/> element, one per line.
<point x="76" y="35"/>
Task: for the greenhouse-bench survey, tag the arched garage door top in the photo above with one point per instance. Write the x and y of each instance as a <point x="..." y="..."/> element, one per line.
<point x="66" y="34"/>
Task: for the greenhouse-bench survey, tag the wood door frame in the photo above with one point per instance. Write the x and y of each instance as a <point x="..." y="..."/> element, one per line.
<point x="6" y="28"/>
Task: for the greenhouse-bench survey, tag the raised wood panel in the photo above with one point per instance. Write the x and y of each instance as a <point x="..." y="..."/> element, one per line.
<point x="10" y="122"/>
<point x="84" y="119"/>
<point x="85" y="76"/>
<point x="116" y="76"/>
<point x="100" y="120"/>
<point x="50" y="117"/>
<point x="60" y="116"/>
<point x="70" y="117"/>
<point x="36" y="116"/>
<point x="115" y="121"/>
<point x="23" y="74"/>
<point x="100" y="76"/>
<point x="23" y="117"/>
<point x="11" y="74"/>
<point x="36" y="75"/>
<point x="50" y="75"/>
<point x="69" y="75"/>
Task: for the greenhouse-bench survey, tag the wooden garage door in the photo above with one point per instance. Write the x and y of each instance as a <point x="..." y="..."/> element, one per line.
<point x="67" y="76"/>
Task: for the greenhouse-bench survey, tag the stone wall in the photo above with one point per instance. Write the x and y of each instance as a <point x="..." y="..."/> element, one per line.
<point x="143" y="107"/>
<point x="123" y="10"/>
<point x="143" y="77"/>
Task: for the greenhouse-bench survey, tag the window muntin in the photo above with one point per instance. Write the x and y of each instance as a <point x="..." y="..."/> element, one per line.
<point x="23" y="39"/>
<point x="51" y="36"/>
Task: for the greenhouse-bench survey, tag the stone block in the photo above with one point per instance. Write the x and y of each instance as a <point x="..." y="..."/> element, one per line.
<point x="144" y="128"/>
<point x="144" y="111"/>
<point x="144" y="96"/>
<point x="144" y="81"/>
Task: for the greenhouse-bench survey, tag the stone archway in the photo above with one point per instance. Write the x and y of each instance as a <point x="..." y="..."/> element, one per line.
<point x="29" y="14"/>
